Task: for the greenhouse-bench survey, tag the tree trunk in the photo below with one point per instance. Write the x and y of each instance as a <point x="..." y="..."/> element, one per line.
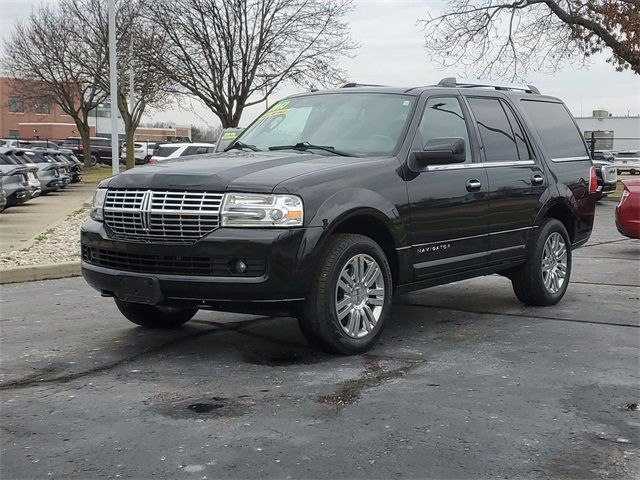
<point x="128" y="135"/>
<point x="85" y="135"/>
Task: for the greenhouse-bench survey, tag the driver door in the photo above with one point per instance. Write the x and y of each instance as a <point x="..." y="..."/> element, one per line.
<point x="448" y="203"/>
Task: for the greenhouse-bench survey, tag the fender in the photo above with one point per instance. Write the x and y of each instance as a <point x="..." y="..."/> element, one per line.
<point x="339" y="208"/>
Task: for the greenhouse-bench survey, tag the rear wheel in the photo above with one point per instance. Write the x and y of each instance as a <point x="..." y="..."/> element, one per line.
<point x="93" y="161"/>
<point x="152" y="316"/>
<point x="543" y="280"/>
<point x="350" y="298"/>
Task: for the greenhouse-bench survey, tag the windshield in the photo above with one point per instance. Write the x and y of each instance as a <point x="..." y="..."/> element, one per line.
<point x="357" y="123"/>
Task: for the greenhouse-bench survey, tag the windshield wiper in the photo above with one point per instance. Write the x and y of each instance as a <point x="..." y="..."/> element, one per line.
<point x="305" y="146"/>
<point x="240" y="146"/>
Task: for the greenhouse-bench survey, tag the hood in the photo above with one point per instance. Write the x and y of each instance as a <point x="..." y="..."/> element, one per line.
<point x="239" y="171"/>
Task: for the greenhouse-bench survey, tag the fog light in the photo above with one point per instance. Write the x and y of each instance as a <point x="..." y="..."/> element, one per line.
<point x="240" y="266"/>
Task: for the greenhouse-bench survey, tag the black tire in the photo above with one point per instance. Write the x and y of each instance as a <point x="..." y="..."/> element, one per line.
<point x="527" y="279"/>
<point x="151" y="316"/>
<point x="319" y="320"/>
<point x="93" y="161"/>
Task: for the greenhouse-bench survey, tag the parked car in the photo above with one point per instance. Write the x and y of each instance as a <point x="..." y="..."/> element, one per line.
<point x="331" y="202"/>
<point x="51" y="173"/>
<point x="605" y="155"/>
<point x="15" y="182"/>
<point x="227" y="136"/>
<point x="100" y="149"/>
<point x="9" y="142"/>
<point x="628" y="210"/>
<point x="607" y="178"/>
<point x="34" y="186"/>
<point x="3" y="195"/>
<point x="175" y="150"/>
<point x="142" y="152"/>
<point x="628" y="161"/>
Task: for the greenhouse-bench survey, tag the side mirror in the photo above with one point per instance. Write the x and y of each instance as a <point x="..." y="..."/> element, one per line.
<point x="441" y="151"/>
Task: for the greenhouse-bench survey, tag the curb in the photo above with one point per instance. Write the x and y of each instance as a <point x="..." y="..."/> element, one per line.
<point x="32" y="273"/>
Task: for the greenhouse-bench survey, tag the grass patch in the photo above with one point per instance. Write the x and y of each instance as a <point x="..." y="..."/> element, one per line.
<point x="43" y="236"/>
<point x="96" y="174"/>
<point x="77" y="213"/>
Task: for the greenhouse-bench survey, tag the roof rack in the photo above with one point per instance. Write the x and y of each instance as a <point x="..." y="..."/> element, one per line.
<point x="352" y="85"/>
<point x="452" y="82"/>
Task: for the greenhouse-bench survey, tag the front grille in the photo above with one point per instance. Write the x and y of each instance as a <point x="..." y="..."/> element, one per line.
<point x="161" y="216"/>
<point x="170" y="264"/>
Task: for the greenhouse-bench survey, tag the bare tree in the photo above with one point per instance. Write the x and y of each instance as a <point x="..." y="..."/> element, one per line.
<point x="234" y="53"/>
<point x="46" y="63"/>
<point x="134" y="36"/>
<point x="507" y="39"/>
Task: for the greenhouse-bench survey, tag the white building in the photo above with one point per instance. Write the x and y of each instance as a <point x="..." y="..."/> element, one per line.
<point x="611" y="133"/>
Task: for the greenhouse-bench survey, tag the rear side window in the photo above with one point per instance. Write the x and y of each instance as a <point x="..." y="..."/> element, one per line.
<point x="560" y="136"/>
<point x="193" y="150"/>
<point x="501" y="138"/>
<point x="101" y="142"/>
<point x="165" y="151"/>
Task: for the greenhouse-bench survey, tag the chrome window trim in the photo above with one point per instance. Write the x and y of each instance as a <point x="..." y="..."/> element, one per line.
<point x="569" y="159"/>
<point x="465" y="166"/>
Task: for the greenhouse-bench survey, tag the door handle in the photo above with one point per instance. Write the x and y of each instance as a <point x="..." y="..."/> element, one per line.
<point x="537" y="179"/>
<point x="473" y="185"/>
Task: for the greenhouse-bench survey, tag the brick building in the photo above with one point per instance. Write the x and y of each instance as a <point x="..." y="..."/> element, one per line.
<point x="43" y="120"/>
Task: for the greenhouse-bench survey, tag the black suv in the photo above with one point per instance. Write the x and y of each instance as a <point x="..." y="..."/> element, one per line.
<point x="100" y="149"/>
<point x="331" y="202"/>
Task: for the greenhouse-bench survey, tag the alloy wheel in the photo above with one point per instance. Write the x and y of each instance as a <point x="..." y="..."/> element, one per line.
<point x="554" y="263"/>
<point x="360" y="296"/>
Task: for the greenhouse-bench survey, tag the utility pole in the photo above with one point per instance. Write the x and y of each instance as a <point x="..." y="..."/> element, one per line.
<point x="113" y="87"/>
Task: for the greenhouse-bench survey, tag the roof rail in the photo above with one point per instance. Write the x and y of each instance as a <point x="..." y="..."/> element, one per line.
<point x="352" y="85"/>
<point x="454" y="83"/>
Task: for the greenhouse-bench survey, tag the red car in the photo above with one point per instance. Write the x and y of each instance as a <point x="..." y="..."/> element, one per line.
<point x="628" y="210"/>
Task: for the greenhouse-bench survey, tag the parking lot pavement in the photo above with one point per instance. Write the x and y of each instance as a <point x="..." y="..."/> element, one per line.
<point x="19" y="225"/>
<point x="465" y="383"/>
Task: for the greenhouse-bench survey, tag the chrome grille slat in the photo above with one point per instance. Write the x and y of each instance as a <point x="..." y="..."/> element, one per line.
<point x="161" y="216"/>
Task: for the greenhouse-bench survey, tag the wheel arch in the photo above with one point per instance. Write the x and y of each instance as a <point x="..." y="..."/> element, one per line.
<point x="562" y="211"/>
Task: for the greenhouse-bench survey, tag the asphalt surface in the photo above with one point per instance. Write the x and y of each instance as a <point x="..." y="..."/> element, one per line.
<point x="20" y="224"/>
<point x="465" y="383"/>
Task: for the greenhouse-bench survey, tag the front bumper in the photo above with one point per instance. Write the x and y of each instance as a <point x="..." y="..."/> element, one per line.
<point x="125" y="263"/>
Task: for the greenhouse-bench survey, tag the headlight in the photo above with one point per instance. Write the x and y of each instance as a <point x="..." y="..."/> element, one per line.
<point x="255" y="210"/>
<point x="97" y="204"/>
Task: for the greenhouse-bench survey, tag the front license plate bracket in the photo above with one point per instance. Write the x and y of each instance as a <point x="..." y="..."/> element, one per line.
<point x="139" y="289"/>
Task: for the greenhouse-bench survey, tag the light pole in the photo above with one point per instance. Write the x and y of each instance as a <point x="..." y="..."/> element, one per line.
<point x="113" y="87"/>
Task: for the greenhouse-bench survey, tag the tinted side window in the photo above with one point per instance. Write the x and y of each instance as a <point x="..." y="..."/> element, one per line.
<point x="497" y="135"/>
<point x="193" y="150"/>
<point x="560" y="136"/>
<point x="165" y="151"/>
<point x="443" y="117"/>
<point x="518" y="134"/>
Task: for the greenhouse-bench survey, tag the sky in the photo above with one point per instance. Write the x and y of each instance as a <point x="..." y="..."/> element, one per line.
<point x="391" y="53"/>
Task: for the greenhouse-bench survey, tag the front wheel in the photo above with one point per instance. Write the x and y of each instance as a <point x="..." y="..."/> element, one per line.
<point x="544" y="279"/>
<point x="152" y="316"/>
<point x="350" y="298"/>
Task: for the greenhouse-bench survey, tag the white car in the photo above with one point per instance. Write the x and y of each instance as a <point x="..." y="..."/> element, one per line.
<point x="175" y="150"/>
<point x="141" y="151"/>
<point x="628" y="161"/>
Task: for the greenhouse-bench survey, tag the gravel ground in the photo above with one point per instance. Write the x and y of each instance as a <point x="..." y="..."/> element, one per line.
<point x="55" y="245"/>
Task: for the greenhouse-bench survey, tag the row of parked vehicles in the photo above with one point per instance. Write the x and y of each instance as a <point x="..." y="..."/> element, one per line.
<point x="34" y="168"/>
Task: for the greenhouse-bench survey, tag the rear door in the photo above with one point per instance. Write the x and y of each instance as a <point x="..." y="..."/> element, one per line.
<point x="448" y="203"/>
<point x="517" y="180"/>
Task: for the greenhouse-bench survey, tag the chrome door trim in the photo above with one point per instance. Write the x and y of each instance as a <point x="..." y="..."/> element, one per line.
<point x="569" y="159"/>
<point x="467" y="166"/>
<point x="465" y="238"/>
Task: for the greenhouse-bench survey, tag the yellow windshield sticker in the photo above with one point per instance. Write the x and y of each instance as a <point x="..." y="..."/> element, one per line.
<point x="229" y="134"/>
<point x="275" y="113"/>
